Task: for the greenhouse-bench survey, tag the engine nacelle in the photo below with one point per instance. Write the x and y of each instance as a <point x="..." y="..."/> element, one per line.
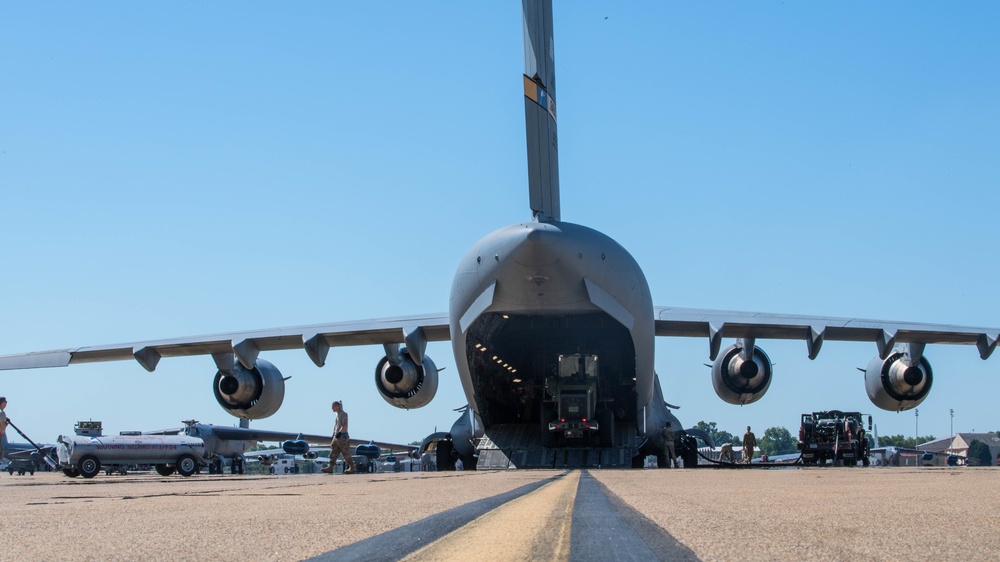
<point x="740" y="381"/>
<point x="406" y="384"/>
<point x="895" y="385"/>
<point x="250" y="394"/>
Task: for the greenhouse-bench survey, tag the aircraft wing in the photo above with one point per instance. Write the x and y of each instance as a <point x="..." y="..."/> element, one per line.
<point x="717" y="324"/>
<point x="26" y="454"/>
<point x="316" y="340"/>
<point x="251" y="434"/>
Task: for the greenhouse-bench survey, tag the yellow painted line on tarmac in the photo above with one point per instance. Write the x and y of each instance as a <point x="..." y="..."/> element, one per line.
<point x="533" y="527"/>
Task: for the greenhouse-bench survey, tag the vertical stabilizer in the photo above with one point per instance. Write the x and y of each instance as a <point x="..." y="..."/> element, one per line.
<point x="540" y="108"/>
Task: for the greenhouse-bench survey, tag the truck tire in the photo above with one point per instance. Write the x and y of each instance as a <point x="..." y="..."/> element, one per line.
<point x="865" y="462"/>
<point x="89" y="466"/>
<point x="71" y="472"/>
<point x="186" y="465"/>
<point x="164" y="470"/>
<point x="606" y="428"/>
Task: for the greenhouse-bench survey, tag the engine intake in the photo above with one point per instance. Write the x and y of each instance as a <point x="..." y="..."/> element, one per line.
<point x="250" y="394"/>
<point x="403" y="383"/>
<point x="895" y="385"/>
<point x="740" y="381"/>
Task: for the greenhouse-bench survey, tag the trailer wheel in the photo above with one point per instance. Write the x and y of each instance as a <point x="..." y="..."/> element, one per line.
<point x="89" y="466"/>
<point x="71" y="472"/>
<point x="186" y="465"/>
<point x="164" y="470"/>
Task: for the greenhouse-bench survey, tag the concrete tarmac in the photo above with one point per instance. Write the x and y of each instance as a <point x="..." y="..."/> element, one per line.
<point x="816" y="513"/>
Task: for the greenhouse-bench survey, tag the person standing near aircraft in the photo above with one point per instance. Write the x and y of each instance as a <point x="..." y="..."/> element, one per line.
<point x="341" y="443"/>
<point x="668" y="445"/>
<point x="749" y="442"/>
<point x="3" y="423"/>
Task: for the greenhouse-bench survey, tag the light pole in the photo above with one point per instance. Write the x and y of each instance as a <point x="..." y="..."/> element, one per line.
<point x="916" y="428"/>
<point x="951" y="411"/>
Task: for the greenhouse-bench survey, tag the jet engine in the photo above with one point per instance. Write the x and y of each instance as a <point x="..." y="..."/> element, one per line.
<point x="403" y="383"/>
<point x="895" y="384"/>
<point x="250" y="394"/>
<point x="740" y="381"/>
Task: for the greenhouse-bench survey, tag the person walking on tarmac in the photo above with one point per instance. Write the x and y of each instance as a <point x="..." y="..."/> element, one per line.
<point x="668" y="445"/>
<point x="341" y="444"/>
<point x="749" y="442"/>
<point x="3" y="423"/>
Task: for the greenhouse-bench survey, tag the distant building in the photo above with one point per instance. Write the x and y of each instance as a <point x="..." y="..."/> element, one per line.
<point x="959" y="444"/>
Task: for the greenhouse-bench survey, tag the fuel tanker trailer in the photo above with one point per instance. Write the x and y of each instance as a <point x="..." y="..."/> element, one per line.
<point x="82" y="455"/>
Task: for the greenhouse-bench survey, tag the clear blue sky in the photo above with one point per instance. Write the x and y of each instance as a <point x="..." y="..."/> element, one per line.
<point x="183" y="168"/>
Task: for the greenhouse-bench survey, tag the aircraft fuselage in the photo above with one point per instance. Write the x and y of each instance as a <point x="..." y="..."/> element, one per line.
<point x="532" y="292"/>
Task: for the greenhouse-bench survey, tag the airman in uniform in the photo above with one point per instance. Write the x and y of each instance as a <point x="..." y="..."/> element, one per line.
<point x="668" y="445"/>
<point x="341" y="443"/>
<point x="749" y="442"/>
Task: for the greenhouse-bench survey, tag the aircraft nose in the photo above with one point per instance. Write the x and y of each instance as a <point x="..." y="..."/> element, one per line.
<point x="542" y="245"/>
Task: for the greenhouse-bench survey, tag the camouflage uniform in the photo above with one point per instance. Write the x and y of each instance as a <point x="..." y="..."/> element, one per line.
<point x="341" y="443"/>
<point x="668" y="445"/>
<point x="749" y="442"/>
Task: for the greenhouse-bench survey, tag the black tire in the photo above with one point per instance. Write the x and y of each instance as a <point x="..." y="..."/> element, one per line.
<point x="89" y="466"/>
<point x="32" y="472"/>
<point x="164" y="470"/>
<point x="186" y="465"/>
<point x="606" y="428"/>
<point x="689" y="453"/>
<point x="10" y="470"/>
<point x="71" y="472"/>
<point x="865" y="462"/>
<point x="444" y="462"/>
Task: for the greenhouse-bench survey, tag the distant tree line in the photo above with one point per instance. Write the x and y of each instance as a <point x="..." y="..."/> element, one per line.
<point x="900" y="441"/>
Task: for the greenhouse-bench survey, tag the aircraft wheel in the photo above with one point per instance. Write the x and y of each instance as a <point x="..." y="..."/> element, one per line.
<point x="71" y="472"/>
<point x="164" y="470"/>
<point x="186" y="465"/>
<point x="89" y="466"/>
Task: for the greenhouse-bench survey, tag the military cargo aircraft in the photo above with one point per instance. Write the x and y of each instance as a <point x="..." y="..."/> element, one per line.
<point x="552" y="326"/>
